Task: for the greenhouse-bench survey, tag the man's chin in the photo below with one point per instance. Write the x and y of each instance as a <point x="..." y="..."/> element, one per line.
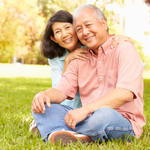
<point x="92" y="47"/>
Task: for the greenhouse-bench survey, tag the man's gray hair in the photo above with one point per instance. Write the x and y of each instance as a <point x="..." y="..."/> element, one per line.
<point x="97" y="12"/>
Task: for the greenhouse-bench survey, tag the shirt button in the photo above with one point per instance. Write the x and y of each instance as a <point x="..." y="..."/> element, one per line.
<point x="99" y="61"/>
<point x="101" y="77"/>
<point x="99" y="91"/>
<point x="105" y="52"/>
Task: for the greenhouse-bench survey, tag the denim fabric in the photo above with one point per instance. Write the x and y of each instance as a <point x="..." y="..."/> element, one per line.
<point x="105" y="123"/>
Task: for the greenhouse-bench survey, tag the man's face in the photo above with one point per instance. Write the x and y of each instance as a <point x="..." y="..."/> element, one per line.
<point x="90" y="31"/>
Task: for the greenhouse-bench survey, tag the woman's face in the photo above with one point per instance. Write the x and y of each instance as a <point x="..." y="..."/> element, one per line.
<point x="65" y="35"/>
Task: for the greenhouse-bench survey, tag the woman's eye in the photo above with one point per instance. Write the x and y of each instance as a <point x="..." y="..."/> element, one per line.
<point x="57" y="32"/>
<point x="67" y="27"/>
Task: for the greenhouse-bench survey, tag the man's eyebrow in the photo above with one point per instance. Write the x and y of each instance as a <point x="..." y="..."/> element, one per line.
<point x="83" y="22"/>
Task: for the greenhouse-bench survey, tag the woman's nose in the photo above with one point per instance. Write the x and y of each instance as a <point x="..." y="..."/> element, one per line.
<point x="64" y="33"/>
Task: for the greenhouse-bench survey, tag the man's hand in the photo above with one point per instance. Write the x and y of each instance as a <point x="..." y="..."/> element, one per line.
<point x="38" y="102"/>
<point x="75" y="116"/>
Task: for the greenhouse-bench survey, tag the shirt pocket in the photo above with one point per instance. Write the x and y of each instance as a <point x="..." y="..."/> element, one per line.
<point x="112" y="77"/>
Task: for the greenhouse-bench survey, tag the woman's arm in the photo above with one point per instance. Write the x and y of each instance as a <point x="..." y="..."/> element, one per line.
<point x="76" y="54"/>
<point x="56" y="66"/>
<point x="118" y="38"/>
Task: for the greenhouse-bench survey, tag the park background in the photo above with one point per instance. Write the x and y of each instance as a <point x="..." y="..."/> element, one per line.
<point x="24" y="71"/>
<point x="22" y="24"/>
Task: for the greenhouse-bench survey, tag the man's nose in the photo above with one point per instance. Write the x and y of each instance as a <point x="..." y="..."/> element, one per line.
<point x="85" y="31"/>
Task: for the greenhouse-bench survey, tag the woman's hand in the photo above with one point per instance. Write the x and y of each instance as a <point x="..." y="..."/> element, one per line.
<point x="75" y="116"/>
<point x="118" y="38"/>
<point x="79" y="53"/>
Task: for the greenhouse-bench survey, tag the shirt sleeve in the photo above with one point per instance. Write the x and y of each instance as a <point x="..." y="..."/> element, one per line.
<point x="56" y="71"/>
<point x="130" y="68"/>
<point x="69" y="81"/>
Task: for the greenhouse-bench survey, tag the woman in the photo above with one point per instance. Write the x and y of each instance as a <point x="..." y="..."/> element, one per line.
<point x="61" y="45"/>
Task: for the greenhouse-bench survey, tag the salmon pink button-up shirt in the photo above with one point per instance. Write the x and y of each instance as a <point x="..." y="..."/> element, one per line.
<point x="120" y="67"/>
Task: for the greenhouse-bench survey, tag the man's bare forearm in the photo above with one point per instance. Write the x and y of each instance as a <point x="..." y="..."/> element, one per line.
<point x="114" y="99"/>
<point x="46" y="97"/>
<point x="55" y="95"/>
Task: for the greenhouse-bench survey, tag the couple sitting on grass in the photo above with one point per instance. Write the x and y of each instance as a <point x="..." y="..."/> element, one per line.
<point x="104" y="70"/>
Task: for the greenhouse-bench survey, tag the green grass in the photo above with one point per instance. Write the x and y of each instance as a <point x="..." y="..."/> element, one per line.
<point x="16" y="95"/>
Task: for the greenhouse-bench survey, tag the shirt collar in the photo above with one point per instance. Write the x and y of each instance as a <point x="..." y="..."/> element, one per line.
<point x="104" y="47"/>
<point x="107" y="44"/>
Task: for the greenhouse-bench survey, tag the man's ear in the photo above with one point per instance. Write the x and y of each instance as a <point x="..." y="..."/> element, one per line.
<point x="104" y="22"/>
<point x="53" y="39"/>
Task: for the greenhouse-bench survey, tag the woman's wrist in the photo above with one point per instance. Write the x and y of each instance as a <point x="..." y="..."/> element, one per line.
<point x="67" y="60"/>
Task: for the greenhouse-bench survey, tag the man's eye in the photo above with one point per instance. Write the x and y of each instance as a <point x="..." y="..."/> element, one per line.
<point x="79" y="29"/>
<point x="88" y="24"/>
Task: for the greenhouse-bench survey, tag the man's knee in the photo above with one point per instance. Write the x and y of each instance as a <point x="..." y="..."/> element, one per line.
<point x="105" y="112"/>
<point x="105" y="116"/>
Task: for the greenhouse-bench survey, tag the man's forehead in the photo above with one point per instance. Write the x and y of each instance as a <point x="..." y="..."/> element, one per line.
<point x="85" y="11"/>
<point x="83" y="16"/>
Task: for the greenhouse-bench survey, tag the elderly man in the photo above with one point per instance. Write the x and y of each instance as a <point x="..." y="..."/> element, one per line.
<point x="110" y="85"/>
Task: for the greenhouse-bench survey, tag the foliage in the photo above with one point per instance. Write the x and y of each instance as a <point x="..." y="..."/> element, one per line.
<point x="49" y="7"/>
<point x="22" y="24"/>
<point x="139" y="49"/>
<point x="147" y="61"/>
<point x="145" y="58"/>
<point x="8" y="29"/>
<point x="16" y="95"/>
<point x="21" y="27"/>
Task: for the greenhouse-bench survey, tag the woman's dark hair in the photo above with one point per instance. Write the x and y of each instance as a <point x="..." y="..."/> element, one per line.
<point x="49" y="48"/>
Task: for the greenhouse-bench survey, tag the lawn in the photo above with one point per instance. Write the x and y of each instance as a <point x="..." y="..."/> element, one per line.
<point x="16" y="94"/>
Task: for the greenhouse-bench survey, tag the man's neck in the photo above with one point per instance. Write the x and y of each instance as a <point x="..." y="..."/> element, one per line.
<point x="95" y="51"/>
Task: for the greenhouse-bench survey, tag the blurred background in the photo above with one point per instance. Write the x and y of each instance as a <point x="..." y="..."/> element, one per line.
<point x="22" y="23"/>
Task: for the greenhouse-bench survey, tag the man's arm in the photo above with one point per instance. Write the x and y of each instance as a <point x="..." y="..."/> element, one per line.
<point x="113" y="99"/>
<point x="127" y="86"/>
<point x="49" y="96"/>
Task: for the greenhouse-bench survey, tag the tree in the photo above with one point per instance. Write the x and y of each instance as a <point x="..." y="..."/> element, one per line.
<point x="8" y="29"/>
<point x="21" y="27"/>
<point x="49" y="7"/>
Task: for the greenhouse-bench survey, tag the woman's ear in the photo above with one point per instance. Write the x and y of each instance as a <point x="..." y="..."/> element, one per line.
<point x="53" y="39"/>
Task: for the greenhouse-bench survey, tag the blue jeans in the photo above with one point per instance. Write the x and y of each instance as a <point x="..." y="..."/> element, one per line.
<point x="105" y="123"/>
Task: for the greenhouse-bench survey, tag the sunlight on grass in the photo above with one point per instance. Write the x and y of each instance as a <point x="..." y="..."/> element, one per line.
<point x="16" y="95"/>
<point x="146" y="74"/>
<point x="20" y="70"/>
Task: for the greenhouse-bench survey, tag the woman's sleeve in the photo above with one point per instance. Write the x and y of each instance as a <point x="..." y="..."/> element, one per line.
<point x="56" y="71"/>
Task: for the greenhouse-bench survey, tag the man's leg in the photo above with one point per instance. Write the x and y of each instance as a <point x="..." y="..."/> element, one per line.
<point x="52" y="120"/>
<point x="106" y="124"/>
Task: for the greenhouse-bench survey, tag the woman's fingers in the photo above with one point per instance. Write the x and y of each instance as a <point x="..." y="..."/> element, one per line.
<point x="82" y="56"/>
